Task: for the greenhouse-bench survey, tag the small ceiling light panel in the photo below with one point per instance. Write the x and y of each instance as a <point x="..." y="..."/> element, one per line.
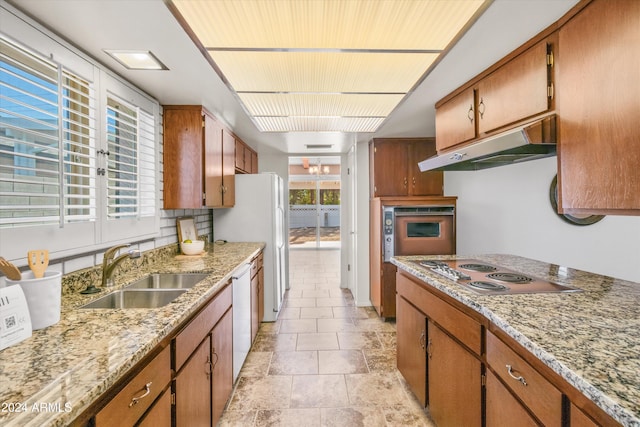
<point x="136" y="59"/>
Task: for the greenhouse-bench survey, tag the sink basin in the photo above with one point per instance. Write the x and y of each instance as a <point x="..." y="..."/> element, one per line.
<point x="168" y="281"/>
<point x="136" y="298"/>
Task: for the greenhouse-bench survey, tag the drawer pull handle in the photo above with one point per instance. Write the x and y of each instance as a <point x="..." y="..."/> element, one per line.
<point x="517" y="378"/>
<point x="147" y="390"/>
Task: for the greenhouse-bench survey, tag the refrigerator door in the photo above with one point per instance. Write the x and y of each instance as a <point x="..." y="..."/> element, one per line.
<point x="258" y="216"/>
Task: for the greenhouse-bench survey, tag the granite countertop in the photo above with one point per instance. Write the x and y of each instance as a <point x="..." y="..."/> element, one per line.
<point x="590" y="338"/>
<point x="52" y="377"/>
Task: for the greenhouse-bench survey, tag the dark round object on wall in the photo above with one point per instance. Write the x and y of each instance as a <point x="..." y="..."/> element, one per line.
<point x="571" y="219"/>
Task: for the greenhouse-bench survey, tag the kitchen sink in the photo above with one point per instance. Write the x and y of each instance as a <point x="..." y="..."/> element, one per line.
<point x="168" y="281"/>
<point x="136" y="298"/>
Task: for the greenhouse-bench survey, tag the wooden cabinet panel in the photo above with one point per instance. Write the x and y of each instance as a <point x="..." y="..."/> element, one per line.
<point x="254" y="162"/>
<point x="515" y="91"/>
<point x="502" y="408"/>
<point x="228" y="170"/>
<point x="541" y="397"/>
<point x="239" y="155"/>
<point x="138" y="395"/>
<point x="577" y="418"/>
<point x="160" y="413"/>
<point x="456" y="121"/>
<point x="597" y="102"/>
<point x="455" y="381"/>
<point x="466" y="329"/>
<point x="213" y="161"/>
<point x="222" y="364"/>
<point x="393" y="168"/>
<point x="260" y="293"/>
<point x="193" y="388"/>
<point x="411" y="328"/>
<point x="188" y="339"/>
<point x="183" y="158"/>
<point x="255" y="321"/>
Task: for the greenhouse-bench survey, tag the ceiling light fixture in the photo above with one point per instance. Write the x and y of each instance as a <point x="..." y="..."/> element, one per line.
<point x="323" y="65"/>
<point x="136" y="59"/>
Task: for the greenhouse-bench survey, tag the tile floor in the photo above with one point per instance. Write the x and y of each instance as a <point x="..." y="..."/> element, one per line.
<point x="324" y="362"/>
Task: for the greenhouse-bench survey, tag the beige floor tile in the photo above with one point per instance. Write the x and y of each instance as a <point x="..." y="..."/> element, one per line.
<point x="342" y="362"/>
<point x="316" y="313"/>
<point x="374" y="389"/>
<point x="307" y="417"/>
<point x="375" y="324"/>
<point x="237" y="418"/>
<point x="381" y="360"/>
<point x="319" y="341"/>
<point x="256" y="364"/>
<point x="331" y="302"/>
<point x="293" y="292"/>
<point x="401" y="415"/>
<point x="388" y="340"/>
<point x="301" y="302"/>
<point x="289" y="313"/>
<point x="352" y="417"/>
<point x="358" y="340"/>
<point x="319" y="391"/>
<point x="290" y="326"/>
<point x="270" y="392"/>
<point x="315" y="293"/>
<point x="269" y="328"/>
<point x="336" y="325"/>
<point x="294" y="363"/>
<point x="275" y="342"/>
<point x="350" y="312"/>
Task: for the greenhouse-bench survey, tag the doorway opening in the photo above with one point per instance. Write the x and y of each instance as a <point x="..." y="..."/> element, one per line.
<point x="314" y="202"/>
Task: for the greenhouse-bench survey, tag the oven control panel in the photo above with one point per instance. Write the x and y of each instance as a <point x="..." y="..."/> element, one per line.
<point x="387" y="225"/>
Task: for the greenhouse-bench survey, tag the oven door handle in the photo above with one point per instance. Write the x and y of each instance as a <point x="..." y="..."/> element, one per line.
<point x="424" y="213"/>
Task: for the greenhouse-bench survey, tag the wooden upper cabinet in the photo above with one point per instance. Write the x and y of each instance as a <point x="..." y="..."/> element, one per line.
<point x="598" y="104"/>
<point x="394" y="171"/>
<point x="515" y="91"/>
<point x="239" y="154"/>
<point x="198" y="160"/>
<point x="456" y="120"/>
<point x="246" y="160"/>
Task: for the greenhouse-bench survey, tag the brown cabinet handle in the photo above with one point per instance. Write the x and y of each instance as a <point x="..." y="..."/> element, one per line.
<point x="147" y="390"/>
<point x="519" y="378"/>
<point x="207" y="367"/>
<point x="430" y="348"/>
<point x="421" y="339"/>
<point x="481" y="108"/>
<point x="216" y="355"/>
<point x="470" y="113"/>
<point x="405" y="181"/>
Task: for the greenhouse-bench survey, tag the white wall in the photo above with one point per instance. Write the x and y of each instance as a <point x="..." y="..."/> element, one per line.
<point x="507" y="210"/>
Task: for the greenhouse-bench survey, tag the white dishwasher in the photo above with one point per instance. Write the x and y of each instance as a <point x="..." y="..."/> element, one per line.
<point x="241" y="317"/>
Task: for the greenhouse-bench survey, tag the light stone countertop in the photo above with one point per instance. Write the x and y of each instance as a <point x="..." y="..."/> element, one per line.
<point x="590" y="338"/>
<point x="52" y="377"/>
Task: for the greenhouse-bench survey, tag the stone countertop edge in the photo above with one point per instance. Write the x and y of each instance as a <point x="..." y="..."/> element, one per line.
<point x="590" y="338"/>
<point x="54" y="376"/>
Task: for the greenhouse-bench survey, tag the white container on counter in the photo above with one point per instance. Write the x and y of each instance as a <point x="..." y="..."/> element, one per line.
<point x="43" y="296"/>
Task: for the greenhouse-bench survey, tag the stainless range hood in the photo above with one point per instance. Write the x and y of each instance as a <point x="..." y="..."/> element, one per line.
<point x="531" y="141"/>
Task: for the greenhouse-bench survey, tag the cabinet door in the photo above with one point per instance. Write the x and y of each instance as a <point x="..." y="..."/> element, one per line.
<point x="411" y="335"/>
<point x="423" y="183"/>
<point x="254" y="162"/>
<point x="255" y="321"/>
<point x="454" y="377"/>
<point x="502" y="408"/>
<point x="228" y="169"/>
<point x="182" y="158"/>
<point x="212" y="162"/>
<point x="193" y="388"/>
<point x="240" y="160"/>
<point x="598" y="92"/>
<point x="160" y="413"/>
<point x="515" y="91"/>
<point x="222" y="362"/>
<point x="247" y="159"/>
<point x="260" y="295"/>
<point x="456" y="120"/>
<point x="389" y="171"/>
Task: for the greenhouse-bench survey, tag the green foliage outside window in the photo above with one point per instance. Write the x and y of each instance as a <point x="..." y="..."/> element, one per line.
<point x="308" y="197"/>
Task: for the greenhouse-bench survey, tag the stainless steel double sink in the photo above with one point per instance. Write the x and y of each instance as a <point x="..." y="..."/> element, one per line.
<point x="152" y="291"/>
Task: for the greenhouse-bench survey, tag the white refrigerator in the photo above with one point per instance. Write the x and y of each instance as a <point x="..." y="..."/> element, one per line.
<point x="258" y="216"/>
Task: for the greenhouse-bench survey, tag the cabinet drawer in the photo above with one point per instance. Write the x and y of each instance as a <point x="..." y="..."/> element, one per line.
<point x="535" y="391"/>
<point x="464" y="328"/>
<point x="121" y="410"/>
<point x="190" y="337"/>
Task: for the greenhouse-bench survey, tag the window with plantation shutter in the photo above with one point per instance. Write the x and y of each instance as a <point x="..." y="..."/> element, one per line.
<point x="47" y="142"/>
<point x="78" y="151"/>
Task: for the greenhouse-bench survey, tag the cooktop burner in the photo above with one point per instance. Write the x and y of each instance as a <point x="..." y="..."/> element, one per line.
<point x="489" y="279"/>
<point x="509" y="277"/>
<point x="487" y="286"/>
<point x="478" y="267"/>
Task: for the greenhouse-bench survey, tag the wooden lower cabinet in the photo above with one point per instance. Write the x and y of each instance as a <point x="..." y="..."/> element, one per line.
<point x="257" y="294"/>
<point x="159" y="415"/>
<point x="455" y="376"/>
<point x="222" y="365"/>
<point x="577" y="418"/>
<point x="502" y="408"/>
<point x="192" y="388"/>
<point x="411" y="338"/>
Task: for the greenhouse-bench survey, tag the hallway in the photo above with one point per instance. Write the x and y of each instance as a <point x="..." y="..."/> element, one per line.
<point x="324" y="362"/>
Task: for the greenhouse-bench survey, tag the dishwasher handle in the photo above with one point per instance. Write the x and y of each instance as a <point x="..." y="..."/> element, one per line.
<point x="241" y="271"/>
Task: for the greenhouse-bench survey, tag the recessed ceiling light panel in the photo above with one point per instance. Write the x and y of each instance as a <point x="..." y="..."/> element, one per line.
<point x="136" y="59"/>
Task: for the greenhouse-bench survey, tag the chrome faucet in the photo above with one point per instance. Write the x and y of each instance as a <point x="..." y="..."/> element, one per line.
<point x="109" y="263"/>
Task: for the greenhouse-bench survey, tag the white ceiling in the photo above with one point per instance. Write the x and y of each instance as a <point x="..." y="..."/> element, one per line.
<point x="94" y="25"/>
